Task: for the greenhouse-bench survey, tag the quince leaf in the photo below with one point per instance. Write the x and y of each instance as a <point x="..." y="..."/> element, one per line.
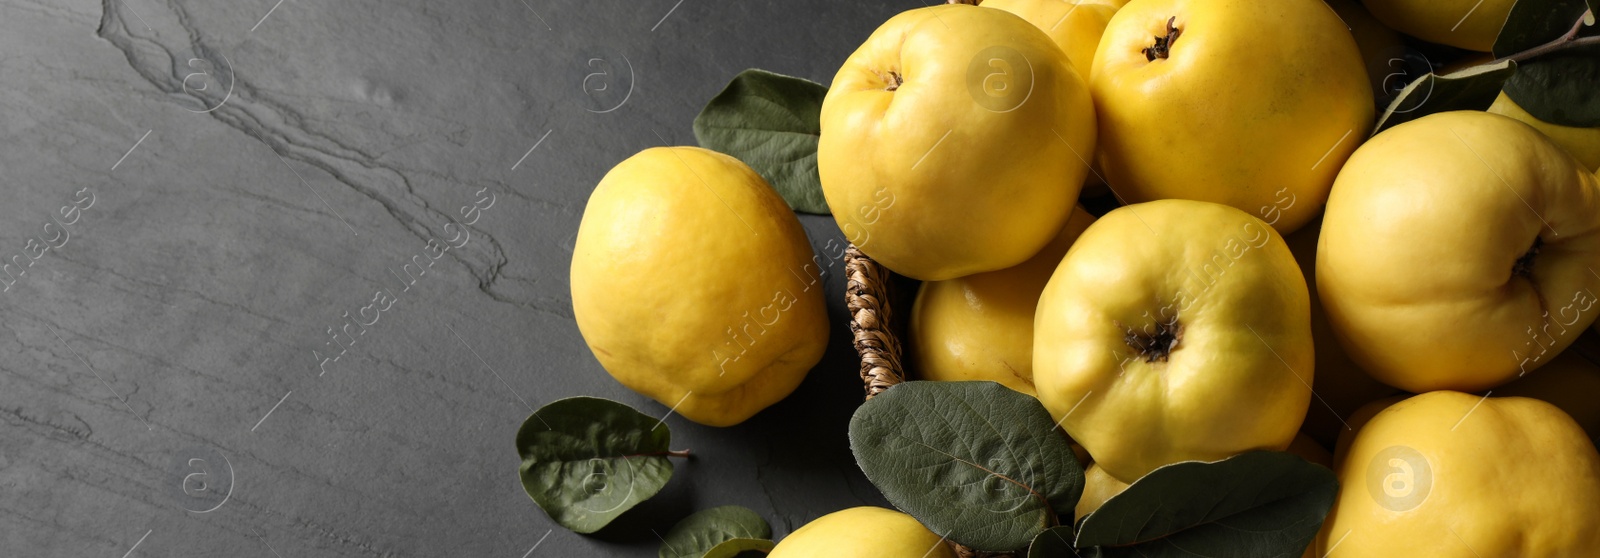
<point x="1535" y="22"/>
<point x="975" y="462"/>
<point x="1261" y="503"/>
<point x="585" y="460"/>
<point x="741" y="548"/>
<point x="1471" y="89"/>
<point x="771" y="122"/>
<point x="1055" y="542"/>
<point x="721" y="532"/>
<point x="1559" y="87"/>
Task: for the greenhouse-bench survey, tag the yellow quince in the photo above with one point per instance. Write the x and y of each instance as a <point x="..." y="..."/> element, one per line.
<point x="688" y="285"/>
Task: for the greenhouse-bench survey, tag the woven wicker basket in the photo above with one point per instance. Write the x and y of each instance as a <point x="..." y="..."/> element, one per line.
<point x="868" y="292"/>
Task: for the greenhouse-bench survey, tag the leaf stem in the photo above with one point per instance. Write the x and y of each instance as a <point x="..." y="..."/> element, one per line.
<point x="1568" y="40"/>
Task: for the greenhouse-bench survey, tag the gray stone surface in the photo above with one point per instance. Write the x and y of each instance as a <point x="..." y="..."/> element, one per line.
<point x="257" y="170"/>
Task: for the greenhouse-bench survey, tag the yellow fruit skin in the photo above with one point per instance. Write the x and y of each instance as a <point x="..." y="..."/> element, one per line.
<point x="1583" y="143"/>
<point x="1234" y="290"/>
<point x="1468" y="24"/>
<point x="1256" y="107"/>
<point x="686" y="285"/>
<point x="1415" y="264"/>
<point x="1341" y="385"/>
<point x="1098" y="487"/>
<point x="966" y="167"/>
<point x="1076" y="27"/>
<point x="1381" y="47"/>
<point x="980" y="327"/>
<point x="1358" y="419"/>
<point x="1569" y="382"/>
<point x="1452" y="475"/>
<point x="864" y="532"/>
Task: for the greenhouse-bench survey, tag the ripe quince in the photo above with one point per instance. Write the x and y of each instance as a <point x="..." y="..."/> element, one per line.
<point x="1245" y="103"/>
<point x="1175" y="330"/>
<point x="1455" y="475"/>
<point x="864" y="532"/>
<point x="1458" y="252"/>
<point x="954" y="141"/>
<point x="688" y="284"/>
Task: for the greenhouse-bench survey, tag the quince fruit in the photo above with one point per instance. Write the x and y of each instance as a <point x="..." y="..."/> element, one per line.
<point x="864" y="532"/>
<point x="1244" y="103"/>
<point x="1458" y="252"/>
<point x="1455" y="475"/>
<point x="1175" y="330"/>
<point x="954" y="141"/>
<point x="696" y="246"/>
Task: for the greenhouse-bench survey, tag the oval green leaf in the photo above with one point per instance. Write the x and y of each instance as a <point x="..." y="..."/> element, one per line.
<point x="1055" y="542"/>
<point x="585" y="460"/>
<point x="1470" y="89"/>
<point x="1262" y="503"/>
<point x="1535" y="22"/>
<point x="771" y="122"/>
<point x="1560" y="87"/>
<point x="976" y="462"/>
<point x="723" y="532"/>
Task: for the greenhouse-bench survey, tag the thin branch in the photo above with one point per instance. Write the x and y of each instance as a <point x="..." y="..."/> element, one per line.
<point x="1568" y="40"/>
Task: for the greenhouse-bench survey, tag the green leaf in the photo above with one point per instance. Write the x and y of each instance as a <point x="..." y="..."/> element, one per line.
<point x="1055" y="542"/>
<point x="723" y="532"/>
<point x="585" y="460"/>
<point x="1535" y="22"/>
<point x="974" y="461"/>
<point x="1470" y="89"/>
<point x="771" y="122"/>
<point x="740" y="548"/>
<point x="1560" y="87"/>
<point x="1262" y="503"/>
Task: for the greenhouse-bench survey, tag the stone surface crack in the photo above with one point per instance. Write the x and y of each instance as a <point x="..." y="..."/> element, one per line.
<point x="80" y="431"/>
<point x="288" y="134"/>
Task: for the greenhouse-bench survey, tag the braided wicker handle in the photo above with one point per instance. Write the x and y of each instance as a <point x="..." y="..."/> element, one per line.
<point x="867" y="298"/>
<point x="866" y="295"/>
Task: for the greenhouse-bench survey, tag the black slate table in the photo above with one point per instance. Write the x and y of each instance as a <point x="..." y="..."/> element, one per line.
<point x="240" y="175"/>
